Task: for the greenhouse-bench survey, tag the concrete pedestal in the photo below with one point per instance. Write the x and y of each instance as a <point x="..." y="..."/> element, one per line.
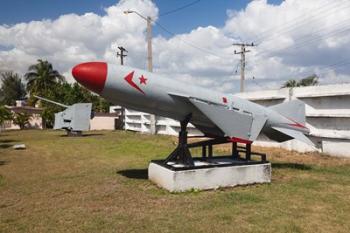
<point x="210" y="174"/>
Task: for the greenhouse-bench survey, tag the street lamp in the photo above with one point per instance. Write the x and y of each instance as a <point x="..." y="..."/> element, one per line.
<point x="149" y="38"/>
<point x="149" y="58"/>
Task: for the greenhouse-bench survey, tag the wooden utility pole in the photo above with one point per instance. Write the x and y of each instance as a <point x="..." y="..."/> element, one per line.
<point x="153" y="121"/>
<point x="243" y="52"/>
<point x="121" y="54"/>
<point x="149" y="44"/>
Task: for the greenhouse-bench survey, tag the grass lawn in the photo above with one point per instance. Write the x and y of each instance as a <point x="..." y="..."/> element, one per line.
<point x="98" y="183"/>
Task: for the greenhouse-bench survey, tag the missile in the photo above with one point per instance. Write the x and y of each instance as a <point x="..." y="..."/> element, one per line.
<point x="214" y="113"/>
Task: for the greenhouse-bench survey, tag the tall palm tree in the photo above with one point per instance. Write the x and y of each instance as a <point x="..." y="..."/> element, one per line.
<point x="311" y="80"/>
<point x="291" y="83"/>
<point x="42" y="78"/>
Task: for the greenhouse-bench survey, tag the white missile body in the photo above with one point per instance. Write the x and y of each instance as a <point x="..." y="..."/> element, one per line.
<point x="215" y="114"/>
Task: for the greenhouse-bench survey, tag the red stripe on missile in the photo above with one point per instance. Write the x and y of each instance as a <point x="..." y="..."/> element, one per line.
<point x="240" y="140"/>
<point x="129" y="78"/>
<point x="296" y="124"/>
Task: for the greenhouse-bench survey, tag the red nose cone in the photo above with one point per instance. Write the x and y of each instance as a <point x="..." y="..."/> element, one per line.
<point x="91" y="75"/>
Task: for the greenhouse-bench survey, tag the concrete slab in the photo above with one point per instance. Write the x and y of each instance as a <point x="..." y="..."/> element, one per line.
<point x="218" y="172"/>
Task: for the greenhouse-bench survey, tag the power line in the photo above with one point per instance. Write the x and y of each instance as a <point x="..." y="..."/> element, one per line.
<point x="306" y="41"/>
<point x="189" y="43"/>
<point x="296" y="22"/>
<point x="179" y="8"/>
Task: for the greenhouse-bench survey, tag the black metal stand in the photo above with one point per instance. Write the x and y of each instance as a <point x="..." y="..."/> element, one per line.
<point x="182" y="152"/>
<point x="71" y="133"/>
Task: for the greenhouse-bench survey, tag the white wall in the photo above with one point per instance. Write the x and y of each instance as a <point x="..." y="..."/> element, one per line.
<point x="103" y="123"/>
<point x="139" y="121"/>
<point x="327" y="116"/>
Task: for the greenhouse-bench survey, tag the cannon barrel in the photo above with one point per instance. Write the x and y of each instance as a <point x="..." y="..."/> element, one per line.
<point x="51" y="101"/>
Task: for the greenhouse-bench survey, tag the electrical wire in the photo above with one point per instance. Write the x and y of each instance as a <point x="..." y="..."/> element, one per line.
<point x="297" y="22"/>
<point x="179" y="8"/>
<point x="189" y="43"/>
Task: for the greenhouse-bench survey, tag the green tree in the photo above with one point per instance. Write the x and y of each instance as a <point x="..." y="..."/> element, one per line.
<point x="308" y="81"/>
<point x="4" y="115"/>
<point x="21" y="119"/>
<point x="291" y="83"/>
<point x="74" y="93"/>
<point x="12" y="88"/>
<point x="42" y="78"/>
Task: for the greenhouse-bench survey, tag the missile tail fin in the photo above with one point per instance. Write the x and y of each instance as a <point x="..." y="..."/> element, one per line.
<point x="293" y="110"/>
<point x="292" y="134"/>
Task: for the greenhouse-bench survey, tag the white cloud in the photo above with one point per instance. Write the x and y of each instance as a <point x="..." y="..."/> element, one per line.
<point x="295" y="39"/>
<point x="72" y="38"/>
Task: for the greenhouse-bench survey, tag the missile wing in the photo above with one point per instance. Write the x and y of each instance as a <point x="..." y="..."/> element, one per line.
<point x="221" y="116"/>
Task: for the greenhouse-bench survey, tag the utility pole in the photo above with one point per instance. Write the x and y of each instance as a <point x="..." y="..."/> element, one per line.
<point x="243" y="52"/>
<point x="121" y="54"/>
<point x="149" y="44"/>
<point x="153" y="122"/>
<point x="149" y="59"/>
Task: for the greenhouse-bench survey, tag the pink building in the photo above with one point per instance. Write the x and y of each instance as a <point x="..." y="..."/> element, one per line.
<point x="35" y="121"/>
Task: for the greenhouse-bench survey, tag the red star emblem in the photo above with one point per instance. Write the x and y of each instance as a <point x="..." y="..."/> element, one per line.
<point x="143" y="80"/>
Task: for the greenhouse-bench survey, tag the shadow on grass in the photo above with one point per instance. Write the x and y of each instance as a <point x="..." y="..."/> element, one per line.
<point x="5" y="145"/>
<point x="296" y="166"/>
<point x="3" y="162"/>
<point x="83" y="135"/>
<point x="7" y="140"/>
<point x="134" y="173"/>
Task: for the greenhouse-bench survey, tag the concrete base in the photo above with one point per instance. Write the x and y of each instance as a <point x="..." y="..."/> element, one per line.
<point x="218" y="172"/>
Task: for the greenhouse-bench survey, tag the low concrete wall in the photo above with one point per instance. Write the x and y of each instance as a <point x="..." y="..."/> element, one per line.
<point x="103" y="123"/>
<point x="327" y="116"/>
<point x="140" y="121"/>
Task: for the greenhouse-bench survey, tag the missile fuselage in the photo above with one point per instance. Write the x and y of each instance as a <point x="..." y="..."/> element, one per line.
<point x="165" y="96"/>
<point x="156" y="98"/>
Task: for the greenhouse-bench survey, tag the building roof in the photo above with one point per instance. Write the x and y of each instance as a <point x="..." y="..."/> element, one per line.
<point x="26" y="109"/>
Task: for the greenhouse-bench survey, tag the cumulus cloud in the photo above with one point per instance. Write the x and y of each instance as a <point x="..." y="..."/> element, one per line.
<point x="76" y="38"/>
<point x="295" y="39"/>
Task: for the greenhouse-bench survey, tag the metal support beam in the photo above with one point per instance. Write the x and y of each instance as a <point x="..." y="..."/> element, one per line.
<point x="248" y="151"/>
<point x="235" y="154"/>
<point x="182" y="153"/>
<point x="204" y="151"/>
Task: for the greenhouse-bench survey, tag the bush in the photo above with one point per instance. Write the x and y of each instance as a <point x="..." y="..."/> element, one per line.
<point x="21" y="119"/>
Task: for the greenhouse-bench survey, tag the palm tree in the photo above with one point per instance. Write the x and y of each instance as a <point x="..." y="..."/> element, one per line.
<point x="42" y="78"/>
<point x="311" y="80"/>
<point x="291" y="83"/>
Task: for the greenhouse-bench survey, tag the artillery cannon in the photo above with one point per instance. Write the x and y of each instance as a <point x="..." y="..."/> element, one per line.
<point x="74" y="119"/>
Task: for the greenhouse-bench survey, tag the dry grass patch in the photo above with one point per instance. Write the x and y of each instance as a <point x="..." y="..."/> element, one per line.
<point x="99" y="183"/>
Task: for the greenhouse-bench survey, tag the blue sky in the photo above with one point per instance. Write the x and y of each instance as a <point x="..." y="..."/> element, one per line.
<point x="295" y="38"/>
<point x="202" y="13"/>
